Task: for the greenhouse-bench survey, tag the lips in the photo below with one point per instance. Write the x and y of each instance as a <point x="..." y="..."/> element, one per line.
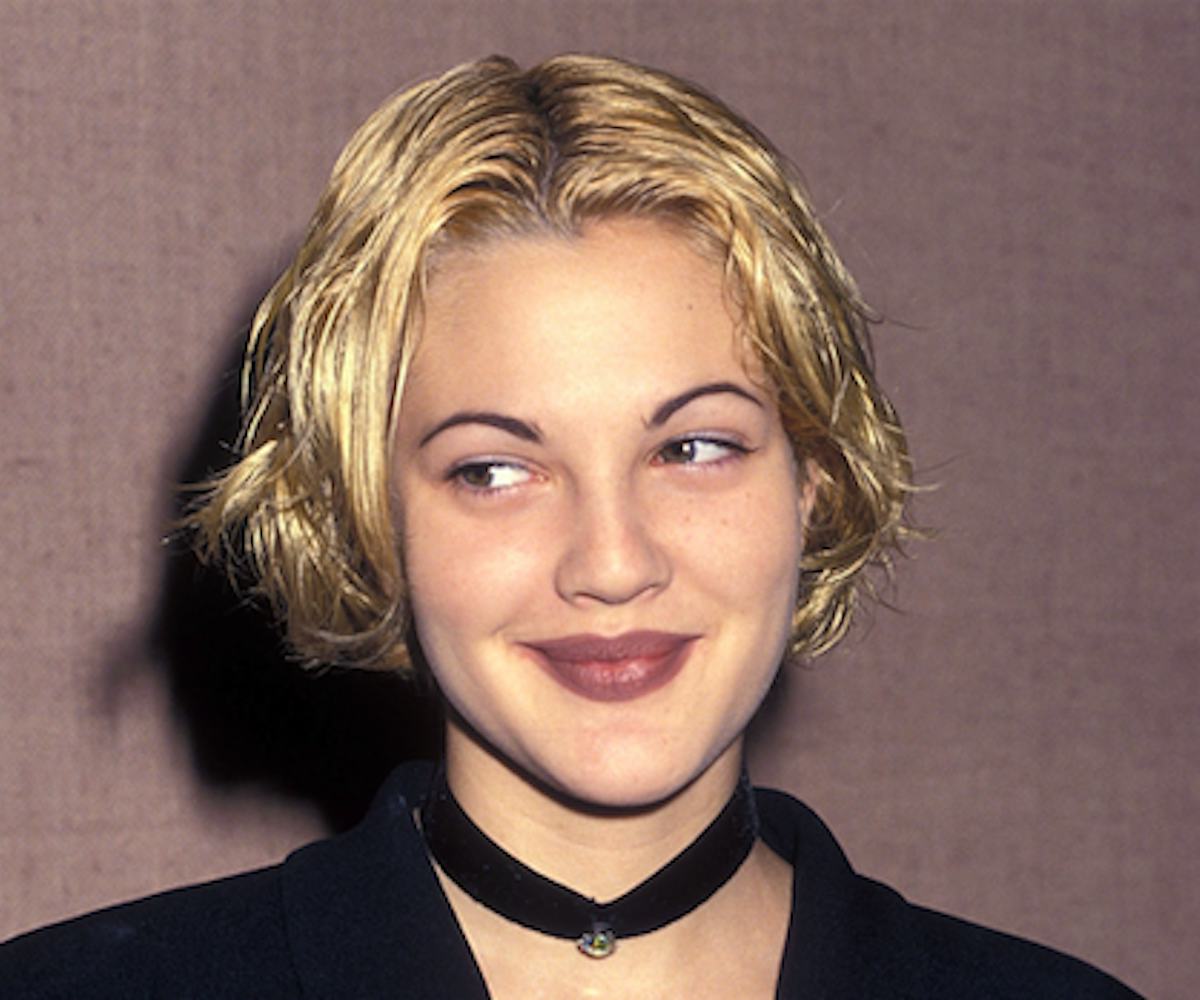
<point x="620" y="668"/>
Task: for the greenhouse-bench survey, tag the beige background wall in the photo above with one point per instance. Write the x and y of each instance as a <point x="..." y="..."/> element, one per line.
<point x="1015" y="183"/>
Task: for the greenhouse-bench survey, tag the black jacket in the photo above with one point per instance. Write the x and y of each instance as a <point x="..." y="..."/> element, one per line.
<point x="362" y="915"/>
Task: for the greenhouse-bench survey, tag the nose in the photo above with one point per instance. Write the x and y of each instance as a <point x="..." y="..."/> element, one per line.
<point x="611" y="555"/>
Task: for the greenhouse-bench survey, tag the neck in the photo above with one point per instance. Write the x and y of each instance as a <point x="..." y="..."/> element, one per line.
<point x="599" y="853"/>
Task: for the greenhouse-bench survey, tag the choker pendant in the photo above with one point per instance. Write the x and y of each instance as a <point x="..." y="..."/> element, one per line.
<point x="599" y="942"/>
<point x="494" y="878"/>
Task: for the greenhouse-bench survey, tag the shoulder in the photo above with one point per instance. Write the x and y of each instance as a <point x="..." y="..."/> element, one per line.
<point x="853" y="936"/>
<point x="357" y="916"/>
<point x="204" y="940"/>
<point x="945" y="956"/>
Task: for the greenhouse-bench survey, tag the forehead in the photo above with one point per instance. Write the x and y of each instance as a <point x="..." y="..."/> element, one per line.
<point x="631" y="301"/>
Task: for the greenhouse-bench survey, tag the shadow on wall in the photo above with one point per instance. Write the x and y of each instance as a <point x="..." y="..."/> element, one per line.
<point x="251" y="714"/>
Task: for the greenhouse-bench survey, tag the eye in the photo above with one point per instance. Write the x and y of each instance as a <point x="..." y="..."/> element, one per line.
<point x="699" y="451"/>
<point x="489" y="477"/>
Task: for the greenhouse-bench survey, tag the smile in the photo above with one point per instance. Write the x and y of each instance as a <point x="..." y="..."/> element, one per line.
<point x="617" y="669"/>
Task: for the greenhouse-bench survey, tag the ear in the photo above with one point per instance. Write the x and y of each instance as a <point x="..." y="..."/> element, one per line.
<point x="810" y="476"/>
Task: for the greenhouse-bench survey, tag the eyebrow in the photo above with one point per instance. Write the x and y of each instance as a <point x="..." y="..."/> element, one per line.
<point x="529" y="432"/>
<point x="515" y="427"/>
<point x="675" y="403"/>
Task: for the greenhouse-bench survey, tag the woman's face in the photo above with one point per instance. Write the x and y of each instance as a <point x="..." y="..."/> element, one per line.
<point x="601" y="515"/>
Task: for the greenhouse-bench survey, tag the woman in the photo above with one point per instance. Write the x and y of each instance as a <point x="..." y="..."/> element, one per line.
<point x="565" y="402"/>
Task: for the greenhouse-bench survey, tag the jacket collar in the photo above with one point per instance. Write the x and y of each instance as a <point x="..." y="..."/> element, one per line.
<point x="825" y="943"/>
<point x="365" y="914"/>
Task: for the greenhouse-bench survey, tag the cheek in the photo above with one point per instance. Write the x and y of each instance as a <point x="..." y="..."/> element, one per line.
<point x="748" y="547"/>
<point x="463" y="576"/>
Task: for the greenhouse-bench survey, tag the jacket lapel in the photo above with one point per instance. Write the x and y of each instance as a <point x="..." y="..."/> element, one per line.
<point x="365" y="915"/>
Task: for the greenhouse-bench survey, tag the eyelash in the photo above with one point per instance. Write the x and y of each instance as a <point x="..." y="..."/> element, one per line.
<point x="458" y="476"/>
<point x="731" y="451"/>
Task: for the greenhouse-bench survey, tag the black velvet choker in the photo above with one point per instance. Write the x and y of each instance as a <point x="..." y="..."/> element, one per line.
<point x="493" y="877"/>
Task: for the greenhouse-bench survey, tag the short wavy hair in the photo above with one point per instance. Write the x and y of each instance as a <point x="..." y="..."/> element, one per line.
<point x="491" y="151"/>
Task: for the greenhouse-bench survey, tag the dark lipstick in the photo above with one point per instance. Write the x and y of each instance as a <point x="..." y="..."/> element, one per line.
<point x="614" y="669"/>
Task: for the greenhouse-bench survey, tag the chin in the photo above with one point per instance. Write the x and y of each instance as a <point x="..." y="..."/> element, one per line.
<point x="629" y="776"/>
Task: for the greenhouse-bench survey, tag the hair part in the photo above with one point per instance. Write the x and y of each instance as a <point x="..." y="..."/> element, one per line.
<point x="490" y="151"/>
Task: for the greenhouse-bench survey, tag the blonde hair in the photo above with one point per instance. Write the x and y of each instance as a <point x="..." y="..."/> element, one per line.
<point x="490" y="150"/>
